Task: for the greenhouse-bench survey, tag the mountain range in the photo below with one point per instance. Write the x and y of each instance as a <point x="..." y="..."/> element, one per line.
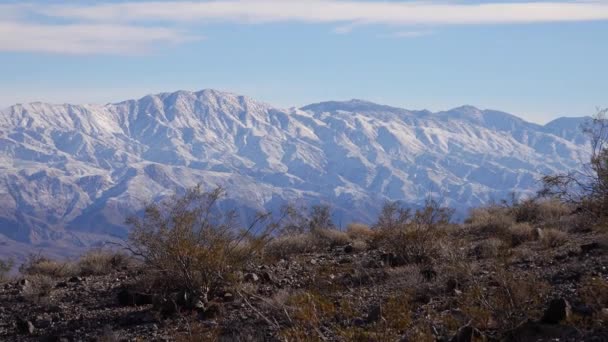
<point x="70" y="174"/>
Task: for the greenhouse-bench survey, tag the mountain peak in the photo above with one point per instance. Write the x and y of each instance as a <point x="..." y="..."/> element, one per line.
<point x="353" y="105"/>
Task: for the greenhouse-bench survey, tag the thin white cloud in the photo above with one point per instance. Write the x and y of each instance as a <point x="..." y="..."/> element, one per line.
<point x="259" y="11"/>
<point x="411" y="34"/>
<point x="132" y="27"/>
<point x="85" y="38"/>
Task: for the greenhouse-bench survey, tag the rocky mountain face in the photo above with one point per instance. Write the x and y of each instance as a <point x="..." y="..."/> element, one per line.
<point x="69" y="175"/>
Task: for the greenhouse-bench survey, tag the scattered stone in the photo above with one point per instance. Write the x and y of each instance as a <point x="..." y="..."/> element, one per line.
<point x="375" y="314"/>
<point x="267" y="277"/>
<point x="127" y="297"/>
<point x="558" y="310"/>
<point x="75" y="280"/>
<point x="228" y="297"/>
<point x="251" y="278"/>
<point x="25" y="327"/>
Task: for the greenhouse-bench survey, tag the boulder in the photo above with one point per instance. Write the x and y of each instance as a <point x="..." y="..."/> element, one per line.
<point x="559" y="309"/>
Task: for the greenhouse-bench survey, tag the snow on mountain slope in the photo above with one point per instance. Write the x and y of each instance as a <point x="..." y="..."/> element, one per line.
<point x="71" y="174"/>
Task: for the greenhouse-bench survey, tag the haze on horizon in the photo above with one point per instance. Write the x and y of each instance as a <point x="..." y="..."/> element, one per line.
<point x="537" y="59"/>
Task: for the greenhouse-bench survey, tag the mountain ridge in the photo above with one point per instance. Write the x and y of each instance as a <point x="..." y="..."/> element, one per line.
<point x="71" y="173"/>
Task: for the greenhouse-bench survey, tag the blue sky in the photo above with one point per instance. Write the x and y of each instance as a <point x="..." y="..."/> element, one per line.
<point x="538" y="60"/>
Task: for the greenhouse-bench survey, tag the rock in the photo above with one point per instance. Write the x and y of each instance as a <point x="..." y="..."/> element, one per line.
<point x="589" y="247"/>
<point x="428" y="273"/>
<point x="538" y="233"/>
<point x="75" y="280"/>
<point x="558" y="310"/>
<point x="343" y="261"/>
<point x="42" y="322"/>
<point x="467" y="334"/>
<point x="348" y="249"/>
<point x="138" y="318"/>
<point x="213" y="311"/>
<point x="392" y="259"/>
<point x="534" y="331"/>
<point x="375" y="314"/>
<point x="61" y="284"/>
<point x="200" y="306"/>
<point x="358" y="322"/>
<point x="228" y="297"/>
<point x="251" y="278"/>
<point x="451" y="285"/>
<point x="267" y="277"/>
<point x="313" y="261"/>
<point x="25" y="327"/>
<point x="127" y="297"/>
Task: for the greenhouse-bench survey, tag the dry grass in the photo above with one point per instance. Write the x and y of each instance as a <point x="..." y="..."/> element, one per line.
<point x="489" y="248"/>
<point x="5" y="268"/>
<point x="552" y="238"/>
<point x="520" y="233"/>
<point x="510" y="301"/>
<point x="360" y="231"/>
<point x="492" y="220"/>
<point x="100" y="262"/>
<point x="38" y="288"/>
<point x="40" y="265"/>
<point x="331" y="237"/>
<point x="284" y="246"/>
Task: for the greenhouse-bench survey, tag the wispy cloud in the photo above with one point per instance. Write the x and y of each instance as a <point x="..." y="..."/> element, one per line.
<point x="85" y="38"/>
<point x="132" y="26"/>
<point x="411" y="34"/>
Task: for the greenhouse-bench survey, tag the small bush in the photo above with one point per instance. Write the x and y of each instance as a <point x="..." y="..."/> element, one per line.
<point x="552" y="238"/>
<point x="287" y="245"/>
<point x="492" y="220"/>
<point x="520" y="233"/>
<point x="5" y="268"/>
<point x="359" y="231"/>
<point x="510" y="301"/>
<point x="38" y="288"/>
<point x="188" y="241"/>
<point x="331" y="237"/>
<point x="99" y="262"/>
<point x="489" y="248"/>
<point x="40" y="265"/>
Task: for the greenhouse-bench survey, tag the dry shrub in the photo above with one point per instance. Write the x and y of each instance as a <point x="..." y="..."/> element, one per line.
<point x="100" y="262"/>
<point x="413" y="238"/>
<point x="307" y="311"/>
<point x="360" y="231"/>
<point x="191" y="243"/>
<point x="505" y="302"/>
<point x="40" y="265"/>
<point x="5" y="268"/>
<point x="287" y="245"/>
<point x="331" y="237"/>
<point x="520" y="233"/>
<point x="553" y="210"/>
<point x="360" y="245"/>
<point x="491" y="220"/>
<point x="414" y="245"/>
<point x="594" y="292"/>
<point x="38" y="288"/>
<point x="489" y="248"/>
<point x="552" y="238"/>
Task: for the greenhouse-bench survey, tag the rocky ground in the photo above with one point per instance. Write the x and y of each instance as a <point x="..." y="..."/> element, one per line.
<point x="339" y="293"/>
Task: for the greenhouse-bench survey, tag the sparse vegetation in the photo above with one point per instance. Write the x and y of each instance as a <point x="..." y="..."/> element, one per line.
<point x="414" y="274"/>
<point x="5" y="268"/>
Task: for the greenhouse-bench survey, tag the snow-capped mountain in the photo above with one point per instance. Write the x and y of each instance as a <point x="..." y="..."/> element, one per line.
<point x="71" y="174"/>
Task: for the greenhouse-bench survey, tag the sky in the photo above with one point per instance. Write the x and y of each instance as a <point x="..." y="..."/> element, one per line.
<point x="536" y="59"/>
